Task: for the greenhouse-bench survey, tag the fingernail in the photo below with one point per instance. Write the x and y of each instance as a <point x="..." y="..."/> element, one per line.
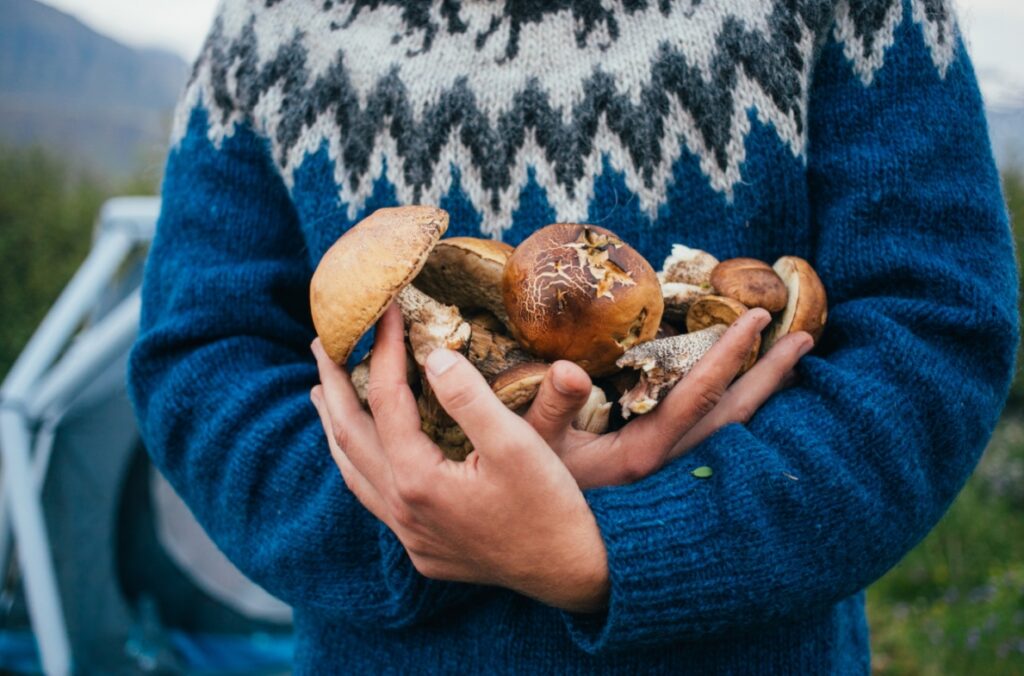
<point x="440" y="361"/>
<point x="805" y="347"/>
<point x="314" y="396"/>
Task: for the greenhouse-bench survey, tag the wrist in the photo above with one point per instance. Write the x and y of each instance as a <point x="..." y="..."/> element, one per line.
<point x="578" y="581"/>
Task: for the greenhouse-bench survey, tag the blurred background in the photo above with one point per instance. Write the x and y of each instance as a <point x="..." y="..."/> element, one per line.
<point x="87" y="89"/>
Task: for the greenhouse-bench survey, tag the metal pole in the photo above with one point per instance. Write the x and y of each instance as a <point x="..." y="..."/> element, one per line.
<point x="19" y="484"/>
<point x="33" y="547"/>
<point x="91" y="353"/>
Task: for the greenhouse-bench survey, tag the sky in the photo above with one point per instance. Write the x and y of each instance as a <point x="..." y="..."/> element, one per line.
<point x="994" y="30"/>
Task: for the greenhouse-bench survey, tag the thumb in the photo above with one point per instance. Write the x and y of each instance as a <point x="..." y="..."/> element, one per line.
<point x="465" y="395"/>
<point x="564" y="391"/>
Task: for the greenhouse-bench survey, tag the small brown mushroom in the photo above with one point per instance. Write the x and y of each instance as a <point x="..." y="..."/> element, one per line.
<point x="751" y="282"/>
<point x="688" y="266"/>
<point x="517" y="386"/>
<point x="362" y="272"/>
<point x="712" y="310"/>
<point x="466" y="272"/>
<point x="807" y="307"/>
<point x="663" y="363"/>
<point x="578" y="292"/>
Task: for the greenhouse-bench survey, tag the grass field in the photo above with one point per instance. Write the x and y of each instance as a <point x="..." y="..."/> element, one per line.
<point x="955" y="605"/>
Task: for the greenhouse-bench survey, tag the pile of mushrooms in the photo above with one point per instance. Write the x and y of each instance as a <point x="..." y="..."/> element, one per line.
<point x="569" y="291"/>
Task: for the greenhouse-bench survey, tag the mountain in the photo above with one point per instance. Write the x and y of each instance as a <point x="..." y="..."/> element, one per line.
<point x="64" y="86"/>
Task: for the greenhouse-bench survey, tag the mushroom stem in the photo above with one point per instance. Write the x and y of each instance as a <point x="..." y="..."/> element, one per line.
<point x="594" y="415"/>
<point x="431" y="324"/>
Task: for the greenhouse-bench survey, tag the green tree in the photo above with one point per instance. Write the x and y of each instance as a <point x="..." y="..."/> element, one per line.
<point x="47" y="212"/>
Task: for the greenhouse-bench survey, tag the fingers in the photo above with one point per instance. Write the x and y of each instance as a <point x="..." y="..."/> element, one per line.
<point x="356" y="482"/>
<point x="700" y="391"/>
<point x="351" y="427"/>
<point x="390" y="398"/>
<point x="563" y="392"/>
<point x="468" y="399"/>
<point x="771" y="373"/>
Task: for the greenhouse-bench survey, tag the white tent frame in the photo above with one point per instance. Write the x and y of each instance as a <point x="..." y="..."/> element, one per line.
<point x="57" y="363"/>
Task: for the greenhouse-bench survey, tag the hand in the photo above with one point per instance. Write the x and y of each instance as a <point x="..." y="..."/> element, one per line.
<point x="695" y="408"/>
<point x="510" y="515"/>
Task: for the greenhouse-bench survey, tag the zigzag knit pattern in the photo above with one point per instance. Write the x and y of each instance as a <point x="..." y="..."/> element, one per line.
<point x="849" y="132"/>
<point x="489" y="90"/>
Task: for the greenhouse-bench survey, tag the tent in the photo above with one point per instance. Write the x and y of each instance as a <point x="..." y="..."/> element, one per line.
<point x="105" y="569"/>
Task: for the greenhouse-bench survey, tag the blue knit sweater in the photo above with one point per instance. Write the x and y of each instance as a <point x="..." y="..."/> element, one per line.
<point x="848" y="132"/>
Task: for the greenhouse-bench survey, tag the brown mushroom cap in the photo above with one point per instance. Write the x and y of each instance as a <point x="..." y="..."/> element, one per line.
<point x="466" y="272"/>
<point x="807" y="307"/>
<point x="364" y="270"/>
<point x="713" y="310"/>
<point x="517" y="386"/>
<point x="578" y="292"/>
<point x="751" y="282"/>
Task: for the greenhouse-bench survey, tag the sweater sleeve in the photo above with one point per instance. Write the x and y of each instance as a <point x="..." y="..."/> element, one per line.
<point x="836" y="479"/>
<point x="220" y="379"/>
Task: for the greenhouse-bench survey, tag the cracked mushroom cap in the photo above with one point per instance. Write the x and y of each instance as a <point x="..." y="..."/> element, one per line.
<point x="578" y="292"/>
<point x="367" y="267"/>
<point x="466" y="272"/>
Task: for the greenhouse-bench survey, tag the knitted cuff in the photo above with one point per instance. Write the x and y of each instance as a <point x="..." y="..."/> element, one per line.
<point x="412" y="596"/>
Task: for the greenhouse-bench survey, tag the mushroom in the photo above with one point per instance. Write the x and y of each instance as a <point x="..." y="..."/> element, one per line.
<point x="688" y="266"/>
<point x="663" y="363"/>
<point x="442" y="430"/>
<point x="578" y="292"/>
<point x="712" y="310"/>
<point x="751" y="282"/>
<point x="363" y="272"/>
<point x="807" y="307"/>
<point x="596" y="412"/>
<point x="490" y="350"/>
<point x="466" y="272"/>
<point x="432" y="325"/>
<point x="517" y="387"/>
<point x="679" y="297"/>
